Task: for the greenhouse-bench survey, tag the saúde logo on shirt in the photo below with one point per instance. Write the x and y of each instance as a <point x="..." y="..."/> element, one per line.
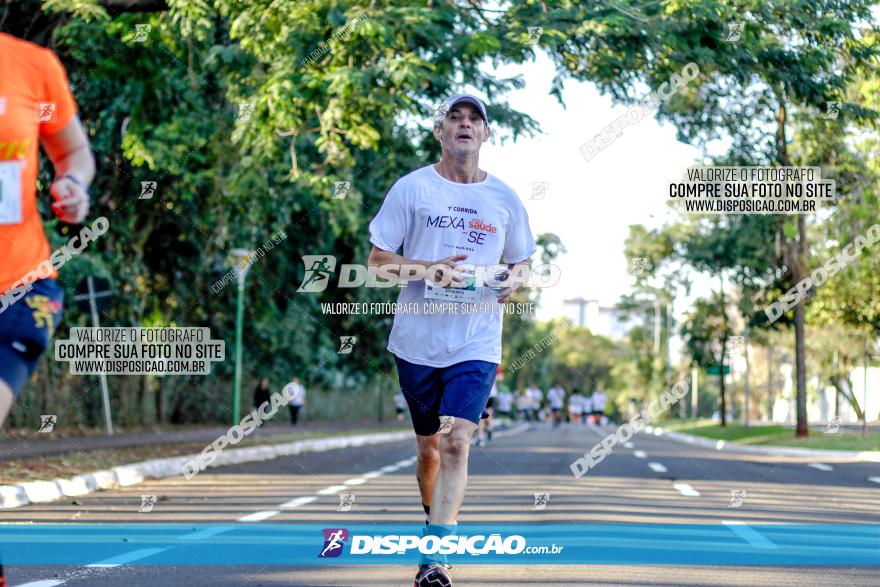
<point x="480" y="229"/>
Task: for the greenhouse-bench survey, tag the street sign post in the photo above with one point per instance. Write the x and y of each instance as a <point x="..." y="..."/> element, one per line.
<point x="93" y="295"/>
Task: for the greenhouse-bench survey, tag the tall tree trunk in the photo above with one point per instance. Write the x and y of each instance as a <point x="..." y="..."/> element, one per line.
<point x="796" y="260"/>
<point x="723" y="394"/>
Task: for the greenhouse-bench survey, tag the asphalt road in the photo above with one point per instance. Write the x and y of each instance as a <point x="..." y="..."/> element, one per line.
<point x="651" y="480"/>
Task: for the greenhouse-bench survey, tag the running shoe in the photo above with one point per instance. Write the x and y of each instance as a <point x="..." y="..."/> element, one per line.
<point x="433" y="575"/>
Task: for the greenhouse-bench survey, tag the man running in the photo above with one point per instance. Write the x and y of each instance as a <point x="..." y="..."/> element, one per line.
<point x="36" y="108"/>
<point x="504" y="407"/>
<point x="599" y="401"/>
<point x="446" y="362"/>
<point x="556" y="397"/>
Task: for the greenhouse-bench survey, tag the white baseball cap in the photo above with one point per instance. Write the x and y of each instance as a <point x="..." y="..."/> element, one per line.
<point x="454" y="99"/>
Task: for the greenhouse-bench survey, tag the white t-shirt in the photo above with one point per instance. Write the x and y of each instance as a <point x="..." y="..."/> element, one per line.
<point x="296" y="392"/>
<point x="434" y="218"/>
<point x="576" y="403"/>
<point x="537" y="397"/>
<point x="557" y="397"/>
<point x="599" y="400"/>
<point x="505" y="401"/>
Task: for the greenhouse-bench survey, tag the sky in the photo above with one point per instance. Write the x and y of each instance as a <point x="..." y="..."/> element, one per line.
<point x="589" y="204"/>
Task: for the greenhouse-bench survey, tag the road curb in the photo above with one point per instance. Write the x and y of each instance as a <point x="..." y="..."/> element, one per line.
<point x="125" y="475"/>
<point x="781" y="451"/>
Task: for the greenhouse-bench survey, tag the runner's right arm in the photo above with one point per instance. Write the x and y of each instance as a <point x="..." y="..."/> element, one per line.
<point x="445" y="267"/>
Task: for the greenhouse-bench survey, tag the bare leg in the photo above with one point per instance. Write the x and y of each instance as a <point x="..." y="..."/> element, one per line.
<point x="452" y="478"/>
<point x="427" y="465"/>
<point x="5" y="401"/>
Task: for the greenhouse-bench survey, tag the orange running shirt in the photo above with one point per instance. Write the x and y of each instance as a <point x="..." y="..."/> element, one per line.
<point x="35" y="101"/>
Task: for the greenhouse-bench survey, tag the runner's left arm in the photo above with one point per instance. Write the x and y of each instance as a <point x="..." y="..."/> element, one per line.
<point x="69" y="151"/>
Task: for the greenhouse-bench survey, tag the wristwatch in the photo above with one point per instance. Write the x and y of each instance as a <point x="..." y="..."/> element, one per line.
<point x="77" y="182"/>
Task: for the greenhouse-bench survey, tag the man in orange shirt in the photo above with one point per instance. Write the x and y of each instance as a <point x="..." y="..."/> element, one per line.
<point x="36" y="108"/>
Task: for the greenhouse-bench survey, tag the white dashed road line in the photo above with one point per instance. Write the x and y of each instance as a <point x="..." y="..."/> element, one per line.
<point x="295" y="503"/>
<point x="639" y="454"/>
<point x="207" y="533"/>
<point x="874" y="479"/>
<point x="331" y="490"/>
<point x="750" y="535"/>
<point x="657" y="467"/>
<point x="686" y="490"/>
<point x="627" y="445"/>
<point x="43" y="583"/>
<point x="822" y="466"/>
<point x="126" y="558"/>
<point x="259" y="516"/>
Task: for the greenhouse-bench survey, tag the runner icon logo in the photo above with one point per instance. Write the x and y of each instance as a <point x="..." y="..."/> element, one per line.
<point x="148" y="188"/>
<point x="318" y="271"/>
<point x="736" y="345"/>
<point x="539" y="190"/>
<point x="833" y="425"/>
<point x="46" y="111"/>
<point x="541" y="500"/>
<point x="340" y="188"/>
<point x="346" y="345"/>
<point x="736" y="498"/>
<point x="142" y="31"/>
<point x="147" y="503"/>
<point x="346" y="500"/>
<point x="638" y="265"/>
<point x="334" y="540"/>
<point x="832" y="109"/>
<point x="734" y="32"/>
<point x="446" y="424"/>
<point x="47" y="422"/>
<point x="535" y="33"/>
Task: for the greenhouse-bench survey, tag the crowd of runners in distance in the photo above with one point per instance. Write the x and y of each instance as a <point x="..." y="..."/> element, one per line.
<point x="555" y="406"/>
<point x="534" y="405"/>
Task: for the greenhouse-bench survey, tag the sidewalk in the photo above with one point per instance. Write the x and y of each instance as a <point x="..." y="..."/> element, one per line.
<point x="42" y="444"/>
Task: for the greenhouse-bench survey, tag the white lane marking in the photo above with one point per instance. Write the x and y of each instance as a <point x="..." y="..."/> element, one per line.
<point x="406" y="462"/>
<point x="822" y="466"/>
<point x="358" y="481"/>
<point x="259" y="516"/>
<point x="750" y="535"/>
<point x="657" y="467"/>
<point x="639" y="454"/>
<point x="331" y="490"/>
<point x="627" y="445"/>
<point x="389" y="469"/>
<point x="874" y="479"/>
<point x="295" y="503"/>
<point x="510" y="431"/>
<point x="373" y="474"/>
<point x="43" y="583"/>
<point x="686" y="490"/>
<point x="126" y="558"/>
<point x="207" y="533"/>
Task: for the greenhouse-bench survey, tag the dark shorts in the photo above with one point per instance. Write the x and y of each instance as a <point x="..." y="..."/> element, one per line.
<point x="490" y="403"/>
<point x="597" y="413"/>
<point x="460" y="390"/>
<point x="26" y="329"/>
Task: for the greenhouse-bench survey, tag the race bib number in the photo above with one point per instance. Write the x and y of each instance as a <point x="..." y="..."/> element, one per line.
<point x="10" y="192"/>
<point x="469" y="293"/>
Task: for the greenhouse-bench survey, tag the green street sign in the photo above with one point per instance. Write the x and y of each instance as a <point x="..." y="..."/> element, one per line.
<point x="714" y="370"/>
